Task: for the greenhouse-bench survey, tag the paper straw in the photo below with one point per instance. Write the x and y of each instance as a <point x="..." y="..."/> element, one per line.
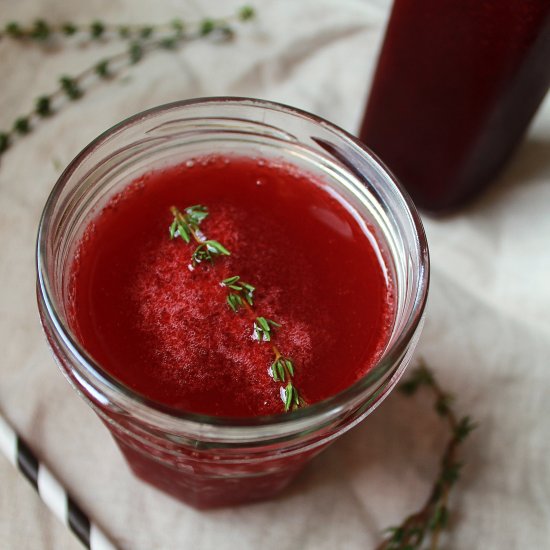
<point x="50" y="490"/>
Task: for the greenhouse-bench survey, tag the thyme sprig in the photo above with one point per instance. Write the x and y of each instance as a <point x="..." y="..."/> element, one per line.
<point x="185" y="225"/>
<point x="207" y="250"/>
<point x="41" y="30"/>
<point x="427" y="524"/>
<point x="291" y="397"/>
<point x="282" y="368"/>
<point x="263" y="328"/>
<point x="143" y="39"/>
<point x="240" y="294"/>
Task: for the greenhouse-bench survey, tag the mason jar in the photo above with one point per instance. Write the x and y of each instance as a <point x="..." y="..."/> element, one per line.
<point x="209" y="461"/>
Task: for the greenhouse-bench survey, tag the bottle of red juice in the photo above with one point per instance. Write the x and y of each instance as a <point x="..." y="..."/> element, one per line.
<point x="457" y="83"/>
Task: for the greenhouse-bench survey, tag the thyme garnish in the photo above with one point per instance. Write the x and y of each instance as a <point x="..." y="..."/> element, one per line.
<point x="263" y="328"/>
<point x="241" y="292"/>
<point x="207" y="251"/>
<point x="433" y="517"/>
<point x="282" y="368"/>
<point x="240" y="296"/>
<point x="187" y="223"/>
<point x="142" y="39"/>
<point x="291" y="397"/>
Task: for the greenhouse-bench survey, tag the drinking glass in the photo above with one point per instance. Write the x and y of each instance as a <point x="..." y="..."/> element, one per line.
<point x="210" y="461"/>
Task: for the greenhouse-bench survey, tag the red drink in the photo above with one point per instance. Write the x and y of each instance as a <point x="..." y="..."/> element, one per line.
<point x="457" y="84"/>
<point x="336" y="253"/>
<point x="167" y="331"/>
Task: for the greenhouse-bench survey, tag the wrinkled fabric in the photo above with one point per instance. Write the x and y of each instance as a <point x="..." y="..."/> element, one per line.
<point x="487" y="332"/>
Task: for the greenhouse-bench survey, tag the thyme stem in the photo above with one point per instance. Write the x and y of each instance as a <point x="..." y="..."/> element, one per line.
<point x="140" y="44"/>
<point x="432" y="518"/>
<point x="185" y="224"/>
<point x="42" y="31"/>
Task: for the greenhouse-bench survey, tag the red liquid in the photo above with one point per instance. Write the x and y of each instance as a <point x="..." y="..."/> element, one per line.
<point x="457" y="84"/>
<point x="166" y="331"/>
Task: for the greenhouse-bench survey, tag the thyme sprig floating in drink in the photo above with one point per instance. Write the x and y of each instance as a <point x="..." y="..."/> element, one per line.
<point x="263" y="328"/>
<point x="282" y="368"/>
<point x="185" y="225"/>
<point x="240" y="292"/>
<point x="207" y="250"/>
<point x="432" y="518"/>
<point x="142" y="40"/>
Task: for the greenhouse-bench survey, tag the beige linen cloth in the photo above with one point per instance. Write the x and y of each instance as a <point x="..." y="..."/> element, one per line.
<point x="487" y="333"/>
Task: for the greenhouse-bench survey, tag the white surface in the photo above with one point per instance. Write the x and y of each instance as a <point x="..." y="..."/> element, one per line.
<point x="487" y="332"/>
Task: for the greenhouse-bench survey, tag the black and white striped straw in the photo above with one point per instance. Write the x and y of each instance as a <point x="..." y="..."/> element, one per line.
<point x="52" y="493"/>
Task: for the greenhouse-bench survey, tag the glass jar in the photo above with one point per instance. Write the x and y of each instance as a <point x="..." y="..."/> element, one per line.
<point x="213" y="461"/>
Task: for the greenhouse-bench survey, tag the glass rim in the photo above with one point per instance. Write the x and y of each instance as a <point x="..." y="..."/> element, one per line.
<point x="319" y="410"/>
